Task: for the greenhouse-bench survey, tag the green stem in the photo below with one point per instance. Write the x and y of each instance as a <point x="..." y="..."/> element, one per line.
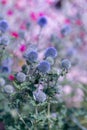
<point x="36" y="112"/>
<point x="48" y="115"/>
<point x="39" y="37"/>
<point x="20" y="117"/>
<point x="1" y="54"/>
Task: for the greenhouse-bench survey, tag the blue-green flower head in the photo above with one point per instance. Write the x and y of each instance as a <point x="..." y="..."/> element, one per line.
<point x="66" y="64"/>
<point x="9" y="89"/>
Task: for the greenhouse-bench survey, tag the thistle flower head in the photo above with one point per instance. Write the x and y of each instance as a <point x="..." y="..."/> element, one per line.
<point x="3" y="26"/>
<point x="8" y="89"/>
<point x="31" y="56"/>
<point x="4" y="41"/>
<point x="44" y="67"/>
<point x="42" y="21"/>
<point x="39" y="96"/>
<point x="2" y="82"/>
<point x="6" y="69"/>
<point x="51" y="52"/>
<point x="21" y="77"/>
<point x="7" y="61"/>
<point x="66" y="64"/>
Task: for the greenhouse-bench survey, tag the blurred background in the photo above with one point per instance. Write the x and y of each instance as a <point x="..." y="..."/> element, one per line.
<point x="66" y="29"/>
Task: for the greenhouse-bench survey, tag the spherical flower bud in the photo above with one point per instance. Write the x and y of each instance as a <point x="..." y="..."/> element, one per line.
<point x="42" y="21"/>
<point x="8" y="89"/>
<point x="31" y="56"/>
<point x="66" y="64"/>
<point x="3" y="26"/>
<point x="51" y="52"/>
<point x="21" y="77"/>
<point x="2" y="82"/>
<point x="44" y="67"/>
<point x="39" y="96"/>
<point x="50" y="60"/>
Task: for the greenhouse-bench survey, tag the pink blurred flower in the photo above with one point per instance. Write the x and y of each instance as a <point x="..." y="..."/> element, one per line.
<point x="33" y="16"/>
<point x="22" y="48"/>
<point x="67" y="89"/>
<point x="4" y="2"/>
<point x="67" y="21"/>
<point x="14" y="34"/>
<point x="10" y="12"/>
<point x="11" y="77"/>
<point x="78" y="22"/>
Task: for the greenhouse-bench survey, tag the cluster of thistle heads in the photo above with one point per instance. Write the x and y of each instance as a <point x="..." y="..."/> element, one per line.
<point x="34" y="72"/>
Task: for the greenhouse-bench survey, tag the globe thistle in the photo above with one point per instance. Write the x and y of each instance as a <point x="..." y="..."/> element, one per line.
<point x="3" y="26"/>
<point x="8" y="89"/>
<point x="31" y="56"/>
<point x="2" y="82"/>
<point x="21" y="77"/>
<point x="39" y="96"/>
<point x="51" y="52"/>
<point x="6" y="69"/>
<point x="7" y="61"/>
<point x="66" y="64"/>
<point x="42" y="21"/>
<point x="4" y="41"/>
<point x="44" y="67"/>
<point x="70" y="52"/>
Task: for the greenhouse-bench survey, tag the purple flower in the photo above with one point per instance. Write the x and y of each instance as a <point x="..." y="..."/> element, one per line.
<point x="42" y="21"/>
<point x="51" y="52"/>
<point x="31" y="56"/>
<point x="21" y="77"/>
<point x="39" y="96"/>
<point x="6" y="69"/>
<point x="70" y="52"/>
<point x="66" y="64"/>
<point x="7" y="61"/>
<point x="44" y="67"/>
<point x="3" y="26"/>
